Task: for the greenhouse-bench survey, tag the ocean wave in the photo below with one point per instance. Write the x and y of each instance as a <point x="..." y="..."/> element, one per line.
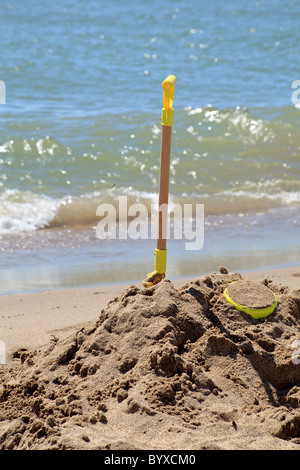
<point x="230" y="160"/>
<point x="247" y="201"/>
<point x="24" y="211"/>
<point x="210" y="147"/>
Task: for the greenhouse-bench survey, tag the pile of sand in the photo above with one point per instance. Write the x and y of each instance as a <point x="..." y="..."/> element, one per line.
<point x="162" y="368"/>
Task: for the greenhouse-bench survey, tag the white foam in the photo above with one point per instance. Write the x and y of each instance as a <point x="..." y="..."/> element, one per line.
<point x="23" y="211"/>
<point x="282" y="197"/>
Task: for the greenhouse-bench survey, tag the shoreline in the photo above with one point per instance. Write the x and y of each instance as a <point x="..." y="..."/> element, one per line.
<point x="71" y="259"/>
<point x="31" y="320"/>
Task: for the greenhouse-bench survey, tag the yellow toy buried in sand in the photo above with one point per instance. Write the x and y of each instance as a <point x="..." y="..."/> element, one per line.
<point x="166" y="122"/>
<point x="251" y="297"/>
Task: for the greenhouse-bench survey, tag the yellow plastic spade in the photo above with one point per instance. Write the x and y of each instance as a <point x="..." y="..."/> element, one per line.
<point x="166" y="125"/>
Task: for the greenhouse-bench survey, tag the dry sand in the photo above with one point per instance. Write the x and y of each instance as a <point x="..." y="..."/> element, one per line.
<point x="170" y="367"/>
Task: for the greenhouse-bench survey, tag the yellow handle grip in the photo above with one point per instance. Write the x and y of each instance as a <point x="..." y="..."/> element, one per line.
<point x="168" y="86"/>
<point x="167" y="112"/>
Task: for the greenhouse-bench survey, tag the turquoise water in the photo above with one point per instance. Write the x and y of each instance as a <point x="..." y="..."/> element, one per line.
<point x="81" y="126"/>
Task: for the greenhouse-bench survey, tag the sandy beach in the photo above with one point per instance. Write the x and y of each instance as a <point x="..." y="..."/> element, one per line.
<point x="171" y="367"/>
<point x="31" y="320"/>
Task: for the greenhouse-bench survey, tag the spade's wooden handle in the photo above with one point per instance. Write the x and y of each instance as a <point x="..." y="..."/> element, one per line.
<point x="163" y="199"/>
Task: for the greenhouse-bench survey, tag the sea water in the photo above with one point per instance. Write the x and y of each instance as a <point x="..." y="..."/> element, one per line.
<point x="81" y="127"/>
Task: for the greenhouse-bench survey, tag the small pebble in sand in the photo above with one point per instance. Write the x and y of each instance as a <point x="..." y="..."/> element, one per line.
<point x="223" y="270"/>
